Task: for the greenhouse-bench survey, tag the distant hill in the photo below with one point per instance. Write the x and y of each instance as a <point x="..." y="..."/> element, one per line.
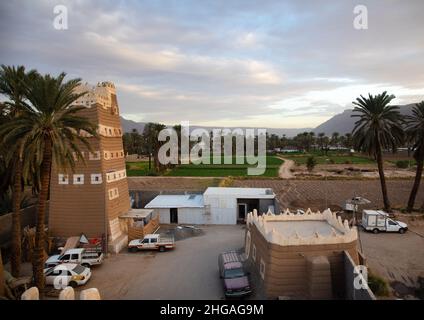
<point x="129" y="125"/>
<point x="343" y="122"/>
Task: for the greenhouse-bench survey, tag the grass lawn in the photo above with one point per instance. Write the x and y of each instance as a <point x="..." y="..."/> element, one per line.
<point x="139" y="168"/>
<point x="208" y="170"/>
<point x="334" y="158"/>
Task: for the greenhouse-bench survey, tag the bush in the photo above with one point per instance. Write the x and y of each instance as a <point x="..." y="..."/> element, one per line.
<point x="402" y="164"/>
<point x="311" y="163"/>
<point x="378" y="285"/>
<point x="226" y="182"/>
<point x="332" y="161"/>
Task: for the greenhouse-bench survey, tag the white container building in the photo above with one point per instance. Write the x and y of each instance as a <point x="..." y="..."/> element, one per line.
<point x="216" y="205"/>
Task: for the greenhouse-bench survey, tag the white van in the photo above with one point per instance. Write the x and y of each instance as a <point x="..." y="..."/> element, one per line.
<point x="377" y="220"/>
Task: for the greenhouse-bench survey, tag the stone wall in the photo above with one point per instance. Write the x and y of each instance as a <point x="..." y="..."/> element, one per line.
<point x="28" y="218"/>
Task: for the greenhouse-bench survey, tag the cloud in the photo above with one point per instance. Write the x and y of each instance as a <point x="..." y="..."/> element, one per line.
<point x="273" y="63"/>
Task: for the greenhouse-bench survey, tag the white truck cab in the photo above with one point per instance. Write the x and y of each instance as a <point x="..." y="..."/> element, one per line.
<point x="152" y="242"/>
<point x="77" y="255"/>
<point x="378" y="220"/>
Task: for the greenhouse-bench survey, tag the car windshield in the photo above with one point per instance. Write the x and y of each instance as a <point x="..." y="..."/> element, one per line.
<point x="234" y="273"/>
<point x="79" y="269"/>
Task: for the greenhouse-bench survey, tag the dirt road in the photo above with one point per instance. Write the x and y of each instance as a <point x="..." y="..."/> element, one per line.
<point x="284" y="172"/>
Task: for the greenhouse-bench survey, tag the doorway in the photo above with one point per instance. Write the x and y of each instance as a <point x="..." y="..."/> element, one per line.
<point x="173" y="215"/>
<point x="242" y="211"/>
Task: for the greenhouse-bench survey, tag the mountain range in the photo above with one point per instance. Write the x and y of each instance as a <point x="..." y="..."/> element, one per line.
<point x="342" y="123"/>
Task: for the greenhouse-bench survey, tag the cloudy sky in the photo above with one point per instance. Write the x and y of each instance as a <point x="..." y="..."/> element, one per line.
<point x="282" y="64"/>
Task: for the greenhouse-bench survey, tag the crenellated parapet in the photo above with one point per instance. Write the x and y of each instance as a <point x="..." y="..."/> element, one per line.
<point x="340" y="231"/>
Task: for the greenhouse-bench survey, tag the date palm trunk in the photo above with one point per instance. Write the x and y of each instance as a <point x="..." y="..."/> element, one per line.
<point x="16" y="221"/>
<point x="38" y="261"/>
<point x="416" y="184"/>
<point x="379" y="157"/>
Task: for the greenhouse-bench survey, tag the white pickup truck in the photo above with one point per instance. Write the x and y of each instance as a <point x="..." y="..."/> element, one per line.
<point x="377" y="220"/>
<point x="152" y="242"/>
<point x="78" y="256"/>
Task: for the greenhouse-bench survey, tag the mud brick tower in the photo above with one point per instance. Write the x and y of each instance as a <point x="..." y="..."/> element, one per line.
<point x="90" y="199"/>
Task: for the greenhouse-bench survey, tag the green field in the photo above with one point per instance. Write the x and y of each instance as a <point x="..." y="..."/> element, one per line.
<point x="333" y="158"/>
<point x="139" y="168"/>
<point x="207" y="170"/>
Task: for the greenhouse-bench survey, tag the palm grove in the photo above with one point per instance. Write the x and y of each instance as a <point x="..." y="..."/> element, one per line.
<point x="40" y="127"/>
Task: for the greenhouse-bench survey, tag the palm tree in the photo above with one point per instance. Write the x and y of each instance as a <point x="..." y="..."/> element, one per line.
<point x="415" y="135"/>
<point x="320" y="140"/>
<point x="335" y="139"/>
<point x="150" y="134"/>
<point x="12" y="85"/>
<point x="379" y="127"/>
<point x="50" y="131"/>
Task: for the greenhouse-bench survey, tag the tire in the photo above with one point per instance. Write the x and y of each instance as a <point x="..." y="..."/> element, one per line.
<point x="73" y="284"/>
<point x="401" y="230"/>
<point x="375" y="231"/>
<point x="162" y="249"/>
<point x="133" y="249"/>
<point x="86" y="265"/>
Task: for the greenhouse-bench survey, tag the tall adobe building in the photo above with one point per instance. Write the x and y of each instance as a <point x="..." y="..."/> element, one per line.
<point x="90" y="199"/>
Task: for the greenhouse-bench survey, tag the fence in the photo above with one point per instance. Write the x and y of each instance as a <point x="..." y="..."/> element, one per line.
<point x="138" y="233"/>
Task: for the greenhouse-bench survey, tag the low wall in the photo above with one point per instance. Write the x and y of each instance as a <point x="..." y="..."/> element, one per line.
<point x="351" y="292"/>
<point x="28" y="218"/>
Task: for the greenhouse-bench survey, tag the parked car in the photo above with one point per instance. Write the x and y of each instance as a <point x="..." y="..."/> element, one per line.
<point x="152" y="242"/>
<point x="377" y="220"/>
<point x="79" y="256"/>
<point x="67" y="274"/>
<point x="234" y="277"/>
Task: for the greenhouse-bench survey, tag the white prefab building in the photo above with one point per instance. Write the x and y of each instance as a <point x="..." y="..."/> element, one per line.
<point x="184" y="209"/>
<point x="215" y="206"/>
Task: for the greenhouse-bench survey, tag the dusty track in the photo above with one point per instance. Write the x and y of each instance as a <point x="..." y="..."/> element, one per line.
<point x="284" y="172"/>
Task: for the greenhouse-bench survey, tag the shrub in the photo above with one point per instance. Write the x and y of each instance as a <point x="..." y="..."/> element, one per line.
<point x="378" y="285"/>
<point x="226" y="182"/>
<point x="403" y="164"/>
<point x="332" y="161"/>
<point x="348" y="162"/>
<point x="311" y="163"/>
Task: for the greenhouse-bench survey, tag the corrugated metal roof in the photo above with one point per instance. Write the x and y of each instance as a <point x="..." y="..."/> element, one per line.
<point x="176" y="201"/>
<point x="241" y="192"/>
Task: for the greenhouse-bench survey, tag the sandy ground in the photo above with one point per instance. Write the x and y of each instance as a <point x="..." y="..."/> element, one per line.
<point x="319" y="194"/>
<point x="172" y="183"/>
<point x="188" y="272"/>
<point x="284" y="172"/>
<point x="341" y="171"/>
<point x="397" y="258"/>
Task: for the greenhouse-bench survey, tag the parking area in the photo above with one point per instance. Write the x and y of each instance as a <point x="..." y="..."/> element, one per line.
<point x="188" y="272"/>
